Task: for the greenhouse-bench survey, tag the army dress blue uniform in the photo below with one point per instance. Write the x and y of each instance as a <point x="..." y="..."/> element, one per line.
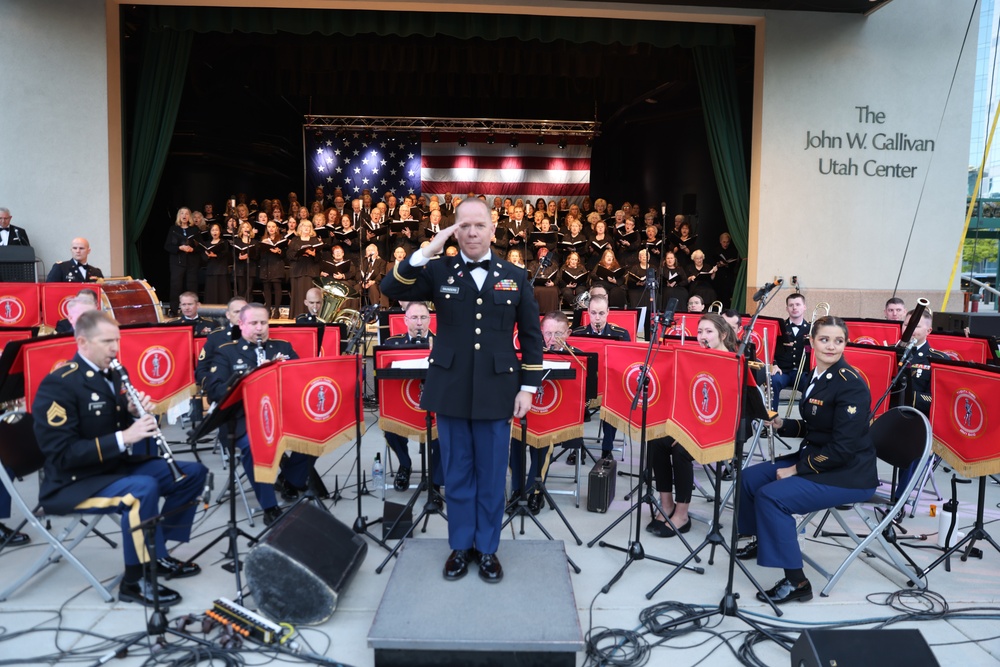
<point x="835" y="465"/>
<point x="399" y="444"/>
<point x="473" y="378"/>
<point x="614" y="332"/>
<point x="77" y="414"/>
<point x="240" y="357"/>
<point x="788" y="352"/>
<point x="916" y="393"/>
<point x="72" y="271"/>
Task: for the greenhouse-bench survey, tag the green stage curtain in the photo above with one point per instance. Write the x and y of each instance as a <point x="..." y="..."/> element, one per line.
<point x="717" y="83"/>
<point x="461" y="25"/>
<point x="161" y="83"/>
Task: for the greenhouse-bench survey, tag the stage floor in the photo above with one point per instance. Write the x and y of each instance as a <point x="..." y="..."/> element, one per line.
<point x="59" y="597"/>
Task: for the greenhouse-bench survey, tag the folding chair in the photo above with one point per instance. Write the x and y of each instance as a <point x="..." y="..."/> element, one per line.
<point x="19" y="451"/>
<point x="901" y="436"/>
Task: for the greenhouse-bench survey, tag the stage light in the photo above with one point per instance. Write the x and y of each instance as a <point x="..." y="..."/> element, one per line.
<point x="490" y="139"/>
<point x="514" y="141"/>
<point x="435" y="137"/>
<point x="539" y="140"/>
<point x="462" y="141"/>
<point x="590" y="142"/>
<point x="562" y="143"/>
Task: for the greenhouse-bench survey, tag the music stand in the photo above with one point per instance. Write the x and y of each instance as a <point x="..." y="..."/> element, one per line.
<point x="520" y="505"/>
<point x="226" y="413"/>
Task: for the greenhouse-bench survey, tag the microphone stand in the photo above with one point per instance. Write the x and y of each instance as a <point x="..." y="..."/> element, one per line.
<point x="635" y="550"/>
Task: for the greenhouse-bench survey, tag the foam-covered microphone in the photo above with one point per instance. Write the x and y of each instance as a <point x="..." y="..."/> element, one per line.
<point x="667" y="317"/>
<point x="206" y="493"/>
<point x="663" y="210"/>
<point x="766" y="289"/>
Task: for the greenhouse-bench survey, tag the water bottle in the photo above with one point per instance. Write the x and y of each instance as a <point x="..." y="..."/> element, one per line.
<point x="378" y="474"/>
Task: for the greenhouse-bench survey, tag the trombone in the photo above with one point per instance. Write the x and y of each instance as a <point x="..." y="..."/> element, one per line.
<point x="713" y="305"/>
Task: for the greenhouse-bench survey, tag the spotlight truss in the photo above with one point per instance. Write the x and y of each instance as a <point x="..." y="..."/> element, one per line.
<point x="464" y="127"/>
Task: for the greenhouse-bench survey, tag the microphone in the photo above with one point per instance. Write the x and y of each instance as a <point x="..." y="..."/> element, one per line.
<point x="206" y="493"/>
<point x="663" y="211"/>
<point x="546" y="261"/>
<point x="667" y="318"/>
<point x="370" y="313"/>
<point x="766" y="289"/>
<point x="650" y="278"/>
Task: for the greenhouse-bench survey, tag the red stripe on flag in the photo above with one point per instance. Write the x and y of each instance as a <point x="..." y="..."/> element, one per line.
<point x="504" y="162"/>
<point x="501" y="189"/>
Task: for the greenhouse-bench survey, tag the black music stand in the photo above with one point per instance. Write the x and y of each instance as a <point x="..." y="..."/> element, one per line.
<point x="520" y="505"/>
<point x="728" y="606"/>
<point x="634" y="550"/>
<point x="226" y="413"/>
<point x="434" y="503"/>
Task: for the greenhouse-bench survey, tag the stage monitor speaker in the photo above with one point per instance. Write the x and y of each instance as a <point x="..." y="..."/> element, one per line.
<point x="862" y="648"/>
<point x="299" y="568"/>
<point x="981" y="324"/>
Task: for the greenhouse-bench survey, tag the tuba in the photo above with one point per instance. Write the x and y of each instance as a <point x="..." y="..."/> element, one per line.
<point x="582" y="301"/>
<point x="336" y="296"/>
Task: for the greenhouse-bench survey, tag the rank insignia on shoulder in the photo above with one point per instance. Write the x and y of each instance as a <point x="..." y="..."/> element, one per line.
<point x="56" y="415"/>
<point x="852" y="409"/>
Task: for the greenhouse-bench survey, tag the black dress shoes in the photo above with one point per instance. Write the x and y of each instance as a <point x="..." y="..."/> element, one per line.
<point x="287" y="491"/>
<point x="271" y="515"/>
<point x="655" y="526"/>
<point x="402" y="481"/>
<point x="457" y="565"/>
<point x="785" y="591"/>
<point x="172" y="568"/>
<point x="748" y="551"/>
<point x="515" y="498"/>
<point x="142" y="592"/>
<point x="489" y="568"/>
<point x="571" y="459"/>
<point x="666" y="531"/>
<point x="535" y="503"/>
<point x="11" y="538"/>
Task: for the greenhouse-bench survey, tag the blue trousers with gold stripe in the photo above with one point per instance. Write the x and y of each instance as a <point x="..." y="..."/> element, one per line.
<point x="767" y="506"/>
<point x="137" y="497"/>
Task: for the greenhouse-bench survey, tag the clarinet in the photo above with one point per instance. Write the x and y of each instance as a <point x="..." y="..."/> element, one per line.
<point x="161" y="442"/>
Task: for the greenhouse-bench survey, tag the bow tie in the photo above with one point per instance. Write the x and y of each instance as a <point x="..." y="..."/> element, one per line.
<point x="484" y="264"/>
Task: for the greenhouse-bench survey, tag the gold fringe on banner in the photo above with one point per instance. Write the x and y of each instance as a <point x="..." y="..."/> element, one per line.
<point x="405" y="430"/>
<point x="702" y="455"/>
<point x="267" y="475"/>
<point x="180" y="396"/>
<point x="554" y="438"/>
<point x="622" y="424"/>
<point x="966" y="468"/>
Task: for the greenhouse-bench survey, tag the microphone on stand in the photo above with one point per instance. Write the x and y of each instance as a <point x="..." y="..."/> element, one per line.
<point x="667" y="316"/>
<point x="663" y="213"/>
<point x="766" y="289"/>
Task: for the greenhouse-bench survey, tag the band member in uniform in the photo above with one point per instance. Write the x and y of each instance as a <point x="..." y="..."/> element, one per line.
<point x="86" y="428"/>
<point x="599" y="327"/>
<point x="76" y="270"/>
<point x="239" y="357"/>
<point x="189" y="315"/>
<point x="790" y="347"/>
<point x="835" y="464"/>
<point x="555" y="329"/>
<point x="895" y="309"/>
<point x="418" y="334"/>
<point x="224" y="334"/>
<point x="475" y="383"/>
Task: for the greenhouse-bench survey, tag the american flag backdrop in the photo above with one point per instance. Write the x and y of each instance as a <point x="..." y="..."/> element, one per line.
<point x="403" y="164"/>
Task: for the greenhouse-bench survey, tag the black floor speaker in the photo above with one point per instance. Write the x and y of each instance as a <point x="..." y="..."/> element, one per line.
<point x="862" y="648"/>
<point x="298" y="570"/>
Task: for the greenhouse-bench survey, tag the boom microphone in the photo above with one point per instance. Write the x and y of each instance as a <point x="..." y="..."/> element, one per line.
<point x="766" y="289"/>
<point x="667" y="317"/>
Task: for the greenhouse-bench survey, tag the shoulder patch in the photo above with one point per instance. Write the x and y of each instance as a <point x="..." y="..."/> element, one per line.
<point x="55" y="415"/>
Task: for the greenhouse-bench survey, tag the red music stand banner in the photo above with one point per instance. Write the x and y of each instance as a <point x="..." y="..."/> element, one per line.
<point x="597" y="346"/>
<point x="772" y="326"/>
<point x="706" y="403"/>
<point x="874" y="332"/>
<point x="623" y="362"/>
<point x="158" y="361"/>
<point x="556" y="413"/>
<point x="317" y="403"/>
<point x="685" y="326"/>
<point x="330" y="346"/>
<point x="262" y="405"/>
<point x="20" y="305"/>
<point x="399" y="408"/>
<point x="965" y="402"/>
<point x="877" y="366"/>
<point x="55" y="296"/>
<point x="41" y="357"/>
<point x="8" y="336"/>
<point x="961" y="348"/>
<point x="302" y="339"/>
